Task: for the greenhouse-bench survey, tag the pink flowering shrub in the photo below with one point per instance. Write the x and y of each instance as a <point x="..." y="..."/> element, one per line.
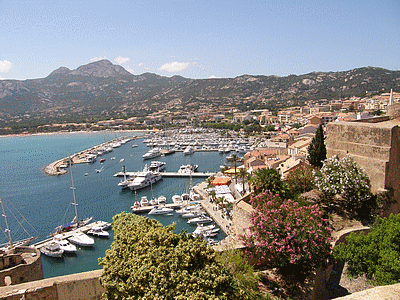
<point x="284" y="235"/>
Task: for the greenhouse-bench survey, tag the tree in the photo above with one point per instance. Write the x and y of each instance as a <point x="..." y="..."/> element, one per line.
<point x="317" y="149"/>
<point x="149" y="261"/>
<point x="376" y="254"/>
<point x="343" y="177"/>
<point x="235" y="159"/>
<point x="269" y="179"/>
<point x="301" y="180"/>
<point x="284" y="235"/>
<point x="244" y="175"/>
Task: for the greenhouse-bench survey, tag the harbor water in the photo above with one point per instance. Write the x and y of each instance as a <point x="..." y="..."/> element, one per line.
<point x="45" y="201"/>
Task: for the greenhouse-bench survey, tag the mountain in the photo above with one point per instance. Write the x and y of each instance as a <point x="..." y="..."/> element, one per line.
<point x="101" y="89"/>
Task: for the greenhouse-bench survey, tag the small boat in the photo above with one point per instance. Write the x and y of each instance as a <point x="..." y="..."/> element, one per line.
<point x="66" y="246"/>
<point x="161" y="200"/>
<point x="99" y="232"/>
<point x="52" y="250"/>
<point x="200" y="219"/>
<point x="86" y="174"/>
<point x="102" y="160"/>
<point x="153" y="201"/>
<point x="160" y="210"/>
<point x="192" y="214"/>
<point x="81" y="239"/>
<point x="187" y="169"/>
<point x="144" y="201"/>
<point x="134" y="146"/>
<point x="205" y="227"/>
<point x="155" y="152"/>
<point x="112" y="158"/>
<point x="177" y="199"/>
<point x="157" y="166"/>
<point x="188" y="150"/>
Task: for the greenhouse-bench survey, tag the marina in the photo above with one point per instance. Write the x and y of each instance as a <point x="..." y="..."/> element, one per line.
<point x="171" y="174"/>
<point x="43" y="198"/>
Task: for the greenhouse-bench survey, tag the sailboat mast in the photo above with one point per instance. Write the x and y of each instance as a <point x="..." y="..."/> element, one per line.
<point x="5" y="219"/>
<point x="73" y="191"/>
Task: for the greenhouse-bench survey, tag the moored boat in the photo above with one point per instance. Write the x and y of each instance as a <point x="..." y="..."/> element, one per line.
<point x="81" y="239"/>
<point x="201" y="219"/>
<point x="98" y="232"/>
<point x="66" y="246"/>
<point x="52" y="250"/>
<point x="160" y="210"/>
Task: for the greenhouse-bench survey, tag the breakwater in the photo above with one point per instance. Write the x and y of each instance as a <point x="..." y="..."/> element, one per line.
<point x="59" y="167"/>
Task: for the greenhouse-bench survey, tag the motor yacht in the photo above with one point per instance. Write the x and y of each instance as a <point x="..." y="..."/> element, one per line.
<point x="157" y="166"/>
<point x="160" y="210"/>
<point x="81" y="239"/>
<point x="200" y="219"/>
<point x="144" y="179"/>
<point x="188" y="150"/>
<point x="155" y="152"/>
<point x="65" y="245"/>
<point x="52" y="250"/>
<point x="98" y="232"/>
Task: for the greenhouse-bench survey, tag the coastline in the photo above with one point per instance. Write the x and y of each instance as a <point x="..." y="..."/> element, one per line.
<point x="72" y="132"/>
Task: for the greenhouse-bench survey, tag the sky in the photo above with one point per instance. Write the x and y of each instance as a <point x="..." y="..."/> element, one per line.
<point x="201" y="38"/>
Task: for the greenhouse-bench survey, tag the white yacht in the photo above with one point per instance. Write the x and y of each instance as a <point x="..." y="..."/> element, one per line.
<point x="188" y="150"/>
<point x="160" y="210"/>
<point x="81" y="239"/>
<point x="200" y="219"/>
<point x="99" y="232"/>
<point x="157" y="166"/>
<point x="155" y="152"/>
<point x="161" y="200"/>
<point x="144" y="201"/>
<point x="187" y="169"/>
<point x="177" y="199"/>
<point x="52" y="250"/>
<point x="188" y="209"/>
<point x="66" y="246"/>
<point x="144" y="179"/>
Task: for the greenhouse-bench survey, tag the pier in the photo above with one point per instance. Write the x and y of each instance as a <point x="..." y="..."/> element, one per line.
<point x="55" y="168"/>
<point x="171" y="174"/>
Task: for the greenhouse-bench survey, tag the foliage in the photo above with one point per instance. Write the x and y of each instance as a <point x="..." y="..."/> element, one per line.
<point x="317" y="149"/>
<point x="292" y="238"/>
<point x="375" y="255"/>
<point x="149" y="261"/>
<point x="301" y="180"/>
<point x="245" y="176"/>
<point x="345" y="178"/>
<point x="269" y="179"/>
<point x="242" y="272"/>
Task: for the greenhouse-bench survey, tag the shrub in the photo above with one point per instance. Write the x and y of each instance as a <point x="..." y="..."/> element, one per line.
<point x="375" y="255"/>
<point x="292" y="238"/>
<point x="345" y="178"/>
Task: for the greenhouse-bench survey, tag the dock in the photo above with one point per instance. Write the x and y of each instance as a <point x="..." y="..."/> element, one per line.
<point x="67" y="234"/>
<point x="171" y="174"/>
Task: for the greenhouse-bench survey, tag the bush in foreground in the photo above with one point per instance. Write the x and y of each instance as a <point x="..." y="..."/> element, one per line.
<point x="284" y="235"/>
<point x="150" y="261"/>
<point x="375" y="255"/>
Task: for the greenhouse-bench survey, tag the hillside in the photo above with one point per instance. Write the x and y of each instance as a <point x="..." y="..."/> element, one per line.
<point x="104" y="89"/>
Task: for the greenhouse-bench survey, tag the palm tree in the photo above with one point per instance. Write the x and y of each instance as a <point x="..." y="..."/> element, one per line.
<point x="244" y="175"/>
<point x="235" y="159"/>
<point x="212" y="194"/>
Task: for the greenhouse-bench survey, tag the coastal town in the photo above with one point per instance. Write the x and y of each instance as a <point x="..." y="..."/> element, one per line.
<point x="224" y="196"/>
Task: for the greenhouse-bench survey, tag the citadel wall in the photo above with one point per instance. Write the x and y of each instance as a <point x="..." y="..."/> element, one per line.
<point x="375" y="147"/>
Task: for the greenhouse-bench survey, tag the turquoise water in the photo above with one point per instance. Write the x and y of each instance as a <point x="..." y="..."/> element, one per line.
<point x="44" y="201"/>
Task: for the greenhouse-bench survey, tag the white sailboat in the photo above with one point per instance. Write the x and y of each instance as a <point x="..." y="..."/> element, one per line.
<point x="78" y="237"/>
<point x="7" y="232"/>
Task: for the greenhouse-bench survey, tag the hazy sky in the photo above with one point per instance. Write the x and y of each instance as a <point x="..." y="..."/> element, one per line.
<point x="199" y="39"/>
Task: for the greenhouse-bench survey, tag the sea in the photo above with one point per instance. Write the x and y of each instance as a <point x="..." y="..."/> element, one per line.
<point x="36" y="203"/>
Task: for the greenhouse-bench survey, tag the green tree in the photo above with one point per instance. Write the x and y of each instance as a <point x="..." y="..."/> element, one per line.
<point x="245" y="176"/>
<point x="343" y="177"/>
<point x="269" y="180"/>
<point x="317" y="149"/>
<point x="149" y="261"/>
<point x="301" y="180"/>
<point x="375" y="255"/>
<point x="235" y="160"/>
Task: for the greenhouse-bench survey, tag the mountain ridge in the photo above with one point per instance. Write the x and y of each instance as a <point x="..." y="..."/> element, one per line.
<point x="102" y="89"/>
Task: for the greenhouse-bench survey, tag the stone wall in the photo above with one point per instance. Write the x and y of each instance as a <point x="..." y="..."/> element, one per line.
<point x="30" y="270"/>
<point x="81" y="286"/>
<point x="375" y="147"/>
<point x="241" y="217"/>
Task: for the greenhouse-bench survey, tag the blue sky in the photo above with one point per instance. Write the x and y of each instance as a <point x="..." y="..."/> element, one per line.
<point x="199" y="39"/>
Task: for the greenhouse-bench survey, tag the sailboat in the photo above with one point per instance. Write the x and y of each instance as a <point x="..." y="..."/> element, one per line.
<point x="77" y="237"/>
<point x="7" y="233"/>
